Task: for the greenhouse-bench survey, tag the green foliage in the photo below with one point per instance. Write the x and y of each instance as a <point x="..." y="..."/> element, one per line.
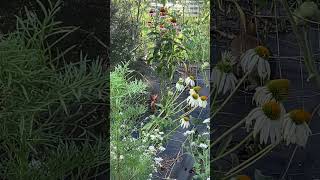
<point x="46" y="112"/>
<point x="127" y="105"/>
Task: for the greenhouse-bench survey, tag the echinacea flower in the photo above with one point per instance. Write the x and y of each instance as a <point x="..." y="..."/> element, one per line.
<point x="173" y="21"/>
<point x="222" y="76"/>
<point x="190" y="81"/>
<point x="268" y="121"/>
<point x="203" y="101"/>
<point x="149" y="23"/>
<point x="193" y="100"/>
<point x="277" y="90"/>
<point x="194" y="89"/>
<point x="296" y="129"/>
<point x="162" y="28"/>
<point x="163" y="12"/>
<point x="152" y="12"/>
<point x="179" y="85"/>
<point x="223" y="79"/>
<point x="185" y="122"/>
<point x="257" y="58"/>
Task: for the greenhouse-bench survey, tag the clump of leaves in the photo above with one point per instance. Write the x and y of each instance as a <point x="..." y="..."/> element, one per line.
<point x="127" y="106"/>
<point x="44" y="110"/>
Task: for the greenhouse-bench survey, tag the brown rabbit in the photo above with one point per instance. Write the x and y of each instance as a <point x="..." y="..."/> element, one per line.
<point x="153" y="99"/>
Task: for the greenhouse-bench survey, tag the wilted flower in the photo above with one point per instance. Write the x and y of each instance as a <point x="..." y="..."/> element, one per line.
<point x="268" y="121"/>
<point x="190" y="81"/>
<point x="185" y="122"/>
<point x="296" y="129"/>
<point x="222" y="76"/>
<point x="277" y="89"/>
<point x="193" y="100"/>
<point x="257" y="58"/>
<point x="180" y="85"/>
<point x="203" y="101"/>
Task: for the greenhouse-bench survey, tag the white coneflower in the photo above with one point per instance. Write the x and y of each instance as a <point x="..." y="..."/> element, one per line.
<point x="152" y="12"/>
<point x="204" y="146"/>
<point x="296" y="129"/>
<point x="206" y="121"/>
<point x="188" y="132"/>
<point x="180" y="85"/>
<point x="185" y="122"/>
<point x="257" y="58"/>
<point x="203" y="101"/>
<point x="195" y="89"/>
<point x="193" y="100"/>
<point x="222" y="77"/>
<point x="277" y="89"/>
<point x="268" y="121"/>
<point x="121" y="157"/>
<point x="190" y="81"/>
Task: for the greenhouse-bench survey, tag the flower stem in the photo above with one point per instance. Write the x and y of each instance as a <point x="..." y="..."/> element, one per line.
<point x="303" y="43"/>
<point x="231" y="94"/>
<point x="249" y="162"/>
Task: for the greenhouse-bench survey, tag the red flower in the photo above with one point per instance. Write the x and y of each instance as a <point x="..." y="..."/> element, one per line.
<point x="163" y="12"/>
<point x="162" y="27"/>
<point x="173" y="21"/>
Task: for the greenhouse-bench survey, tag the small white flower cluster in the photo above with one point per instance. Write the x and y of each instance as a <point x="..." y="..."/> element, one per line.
<point x="155" y="138"/>
<point x="199" y="146"/>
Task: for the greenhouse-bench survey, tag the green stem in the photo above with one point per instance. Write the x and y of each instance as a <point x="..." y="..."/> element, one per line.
<point x="233" y="149"/>
<point x="302" y="41"/>
<point x="249" y="162"/>
<point x="231" y="94"/>
<point x="227" y="132"/>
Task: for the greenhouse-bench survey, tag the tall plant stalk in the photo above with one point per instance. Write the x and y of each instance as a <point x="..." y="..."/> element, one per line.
<point x="302" y="39"/>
